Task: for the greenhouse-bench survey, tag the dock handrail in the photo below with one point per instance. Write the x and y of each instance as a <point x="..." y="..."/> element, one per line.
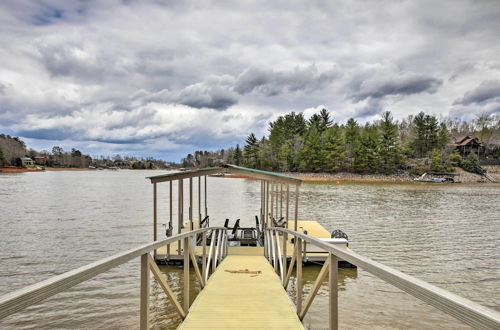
<point x="15" y="301"/>
<point x="467" y="311"/>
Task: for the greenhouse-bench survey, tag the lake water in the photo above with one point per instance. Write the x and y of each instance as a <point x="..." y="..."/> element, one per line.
<point x="53" y="222"/>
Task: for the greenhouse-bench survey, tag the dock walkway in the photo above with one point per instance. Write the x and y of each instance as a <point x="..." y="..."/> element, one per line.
<point x="243" y="301"/>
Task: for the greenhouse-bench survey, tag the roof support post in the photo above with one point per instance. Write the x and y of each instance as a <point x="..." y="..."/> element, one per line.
<point x="155" y="211"/>
<point x="296" y="207"/>
<point x="272" y="203"/>
<point x="267" y="203"/>
<point x="281" y="200"/>
<point x="170" y="208"/>
<point x="190" y="203"/>
<point x="206" y="208"/>
<point x="199" y="198"/>
<point x="287" y="204"/>
<point x="179" y="211"/>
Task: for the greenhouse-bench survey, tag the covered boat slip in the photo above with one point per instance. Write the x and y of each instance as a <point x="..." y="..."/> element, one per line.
<point x="276" y="191"/>
<point x="239" y="300"/>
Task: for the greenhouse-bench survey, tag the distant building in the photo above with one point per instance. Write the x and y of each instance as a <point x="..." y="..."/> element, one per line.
<point x="27" y="161"/>
<point x="468" y="144"/>
<point x="40" y="160"/>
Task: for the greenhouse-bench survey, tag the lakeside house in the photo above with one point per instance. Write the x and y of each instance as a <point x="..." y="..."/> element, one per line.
<point x="27" y="161"/>
<point x="40" y="160"/>
<point x="468" y="144"/>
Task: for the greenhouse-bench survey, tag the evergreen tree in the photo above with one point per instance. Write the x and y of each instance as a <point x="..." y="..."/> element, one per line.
<point x="443" y="136"/>
<point x="285" y="129"/>
<point x="389" y="150"/>
<point x="426" y="134"/>
<point x="311" y="154"/>
<point x="321" y="120"/>
<point x="264" y="155"/>
<point x="250" y="151"/>
<point x="333" y="149"/>
<point x="471" y="163"/>
<point x="419" y="142"/>
<point x="432" y="132"/>
<point x="237" y="155"/>
<point x="367" y="157"/>
<point x="352" y="142"/>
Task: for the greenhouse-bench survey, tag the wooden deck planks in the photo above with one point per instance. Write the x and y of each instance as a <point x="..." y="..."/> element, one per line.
<point x="243" y="301"/>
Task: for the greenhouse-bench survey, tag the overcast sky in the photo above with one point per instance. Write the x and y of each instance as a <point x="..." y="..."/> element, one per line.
<point x="164" y="78"/>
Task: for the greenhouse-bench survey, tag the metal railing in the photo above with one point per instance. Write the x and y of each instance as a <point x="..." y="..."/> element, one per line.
<point x="465" y="310"/>
<point x="15" y="301"/>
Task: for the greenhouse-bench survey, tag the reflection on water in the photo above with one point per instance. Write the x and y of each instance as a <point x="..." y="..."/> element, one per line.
<point x="56" y="221"/>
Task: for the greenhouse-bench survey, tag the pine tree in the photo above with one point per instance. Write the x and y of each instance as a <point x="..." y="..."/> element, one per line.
<point x="443" y="136"/>
<point x="311" y="155"/>
<point x="334" y="149"/>
<point x="389" y="151"/>
<point x="367" y="160"/>
<point x="352" y="141"/>
<point x="237" y="155"/>
<point x="250" y="151"/>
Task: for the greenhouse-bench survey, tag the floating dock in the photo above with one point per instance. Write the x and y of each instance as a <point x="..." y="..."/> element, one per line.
<point x="311" y="253"/>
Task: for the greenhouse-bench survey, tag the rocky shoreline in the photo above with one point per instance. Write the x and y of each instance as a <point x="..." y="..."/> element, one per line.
<point x="463" y="176"/>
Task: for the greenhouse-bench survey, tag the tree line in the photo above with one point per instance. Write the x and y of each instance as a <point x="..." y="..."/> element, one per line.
<point x="13" y="149"/>
<point x="417" y="143"/>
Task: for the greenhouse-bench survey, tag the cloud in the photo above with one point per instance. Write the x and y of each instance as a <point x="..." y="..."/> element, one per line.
<point x="271" y="83"/>
<point x="379" y="85"/>
<point x="487" y="91"/>
<point x="161" y="78"/>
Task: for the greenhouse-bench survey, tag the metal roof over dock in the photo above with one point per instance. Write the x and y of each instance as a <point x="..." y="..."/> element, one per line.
<point x="227" y="168"/>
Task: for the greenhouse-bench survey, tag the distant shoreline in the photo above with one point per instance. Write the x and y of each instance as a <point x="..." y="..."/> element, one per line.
<point x="402" y="177"/>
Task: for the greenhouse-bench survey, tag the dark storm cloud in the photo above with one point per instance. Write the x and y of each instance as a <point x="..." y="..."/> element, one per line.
<point x="488" y="90"/>
<point x="397" y="85"/>
<point x="271" y="83"/>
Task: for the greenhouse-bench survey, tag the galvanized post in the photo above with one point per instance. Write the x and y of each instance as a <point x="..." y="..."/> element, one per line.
<point x="190" y="203"/>
<point x="199" y="199"/>
<point x="296" y="207"/>
<point x="186" y="274"/>
<point x="333" y="299"/>
<point x="204" y="256"/>
<point x="299" y="276"/>
<point x="155" y="211"/>
<point x="144" y="313"/>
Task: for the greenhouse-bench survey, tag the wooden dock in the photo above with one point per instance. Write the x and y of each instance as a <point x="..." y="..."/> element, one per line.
<point x="242" y="300"/>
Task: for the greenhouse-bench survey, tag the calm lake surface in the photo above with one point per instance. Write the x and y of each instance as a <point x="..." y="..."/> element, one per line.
<point x="53" y="222"/>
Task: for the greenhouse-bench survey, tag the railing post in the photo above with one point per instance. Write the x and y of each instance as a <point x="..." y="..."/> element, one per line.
<point x="275" y="251"/>
<point x="204" y="256"/>
<point x="144" y="313"/>
<point x="285" y="240"/>
<point x="216" y="247"/>
<point x="333" y="299"/>
<point x="186" y="275"/>
<point x="299" y="276"/>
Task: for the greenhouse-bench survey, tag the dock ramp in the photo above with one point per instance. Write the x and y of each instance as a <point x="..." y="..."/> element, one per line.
<point x="243" y="300"/>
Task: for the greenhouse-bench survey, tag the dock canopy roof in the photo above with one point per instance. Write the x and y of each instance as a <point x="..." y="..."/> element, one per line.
<point x="228" y="168"/>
